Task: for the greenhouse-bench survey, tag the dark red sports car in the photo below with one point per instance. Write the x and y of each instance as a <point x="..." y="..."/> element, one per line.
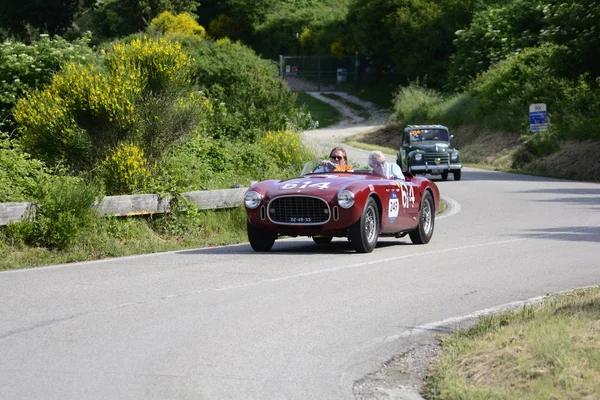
<point x="359" y="205"/>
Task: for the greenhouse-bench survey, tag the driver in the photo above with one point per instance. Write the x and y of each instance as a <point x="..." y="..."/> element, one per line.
<point x="338" y="161"/>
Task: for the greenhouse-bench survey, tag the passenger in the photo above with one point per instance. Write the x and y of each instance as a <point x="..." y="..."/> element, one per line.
<point x="338" y="161"/>
<point x="380" y="167"/>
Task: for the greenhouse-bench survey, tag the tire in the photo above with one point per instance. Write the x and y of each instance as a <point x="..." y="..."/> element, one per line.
<point x="322" y="239"/>
<point x="365" y="232"/>
<point x="259" y="239"/>
<point x="457" y="175"/>
<point x="424" y="231"/>
<point x="444" y="175"/>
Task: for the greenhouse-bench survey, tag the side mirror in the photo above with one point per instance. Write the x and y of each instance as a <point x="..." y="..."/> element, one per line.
<point x="451" y="137"/>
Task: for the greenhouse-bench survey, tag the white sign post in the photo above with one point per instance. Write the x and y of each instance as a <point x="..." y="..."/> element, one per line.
<point x="538" y="117"/>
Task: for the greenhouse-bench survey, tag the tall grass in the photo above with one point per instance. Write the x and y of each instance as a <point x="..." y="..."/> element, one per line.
<point x="550" y="351"/>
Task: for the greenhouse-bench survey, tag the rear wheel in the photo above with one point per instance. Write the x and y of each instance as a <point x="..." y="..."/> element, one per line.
<point x="322" y="239"/>
<point x="424" y="231"/>
<point x="260" y="239"/>
<point x="457" y="174"/>
<point x="365" y="232"/>
<point x="445" y="175"/>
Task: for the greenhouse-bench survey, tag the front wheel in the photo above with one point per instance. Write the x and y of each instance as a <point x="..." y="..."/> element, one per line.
<point x="260" y="239"/>
<point x="444" y="175"/>
<point x="457" y="174"/>
<point x="424" y="231"/>
<point x="365" y="232"/>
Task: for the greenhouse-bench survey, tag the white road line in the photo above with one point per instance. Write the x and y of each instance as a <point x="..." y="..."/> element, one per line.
<point x="432" y="326"/>
<point x="453" y="207"/>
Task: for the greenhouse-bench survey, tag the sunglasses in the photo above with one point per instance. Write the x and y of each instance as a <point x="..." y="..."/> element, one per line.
<point x="379" y="164"/>
<point x="337" y="157"/>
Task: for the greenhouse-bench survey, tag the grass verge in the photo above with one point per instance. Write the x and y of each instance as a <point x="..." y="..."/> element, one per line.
<point x="550" y="351"/>
<point x="322" y="112"/>
<point x="125" y="236"/>
<point x="360" y="110"/>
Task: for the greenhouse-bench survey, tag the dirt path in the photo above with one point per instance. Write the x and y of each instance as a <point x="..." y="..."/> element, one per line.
<point x="323" y="139"/>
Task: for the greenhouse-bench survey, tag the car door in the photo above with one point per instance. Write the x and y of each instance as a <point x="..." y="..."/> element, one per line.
<point x="400" y="205"/>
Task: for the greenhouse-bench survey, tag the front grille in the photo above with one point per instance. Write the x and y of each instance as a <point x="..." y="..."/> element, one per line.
<point x="431" y="157"/>
<point x="298" y="210"/>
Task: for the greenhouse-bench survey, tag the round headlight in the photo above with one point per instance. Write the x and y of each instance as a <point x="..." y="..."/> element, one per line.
<point x="454" y="156"/>
<point x="345" y="199"/>
<point x="418" y="157"/>
<point x="252" y="199"/>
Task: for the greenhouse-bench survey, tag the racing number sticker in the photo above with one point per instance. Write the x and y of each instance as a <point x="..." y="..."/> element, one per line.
<point x="394" y="207"/>
<point x="304" y="185"/>
<point x="408" y="196"/>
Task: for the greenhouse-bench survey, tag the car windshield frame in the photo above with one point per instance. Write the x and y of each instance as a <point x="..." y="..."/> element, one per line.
<point x="314" y="167"/>
<point x="428" y="135"/>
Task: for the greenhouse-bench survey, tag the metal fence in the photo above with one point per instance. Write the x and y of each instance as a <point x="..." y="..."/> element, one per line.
<point x="321" y="73"/>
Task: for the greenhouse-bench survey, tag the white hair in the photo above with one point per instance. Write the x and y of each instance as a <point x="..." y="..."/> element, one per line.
<point x="375" y="156"/>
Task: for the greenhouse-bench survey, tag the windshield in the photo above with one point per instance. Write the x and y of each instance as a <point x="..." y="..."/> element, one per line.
<point x="420" y="135"/>
<point x="318" y="166"/>
<point x="389" y="170"/>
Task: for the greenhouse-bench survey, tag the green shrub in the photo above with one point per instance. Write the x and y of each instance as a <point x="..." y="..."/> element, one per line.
<point x="495" y="33"/>
<point x="20" y="174"/>
<point x="65" y="210"/>
<point x="125" y="170"/>
<point x="503" y="93"/>
<point x="24" y="67"/>
<point x="162" y="62"/>
<point x="143" y="97"/>
<point x="80" y="114"/>
<point x="414" y="104"/>
<point x="182" y="24"/>
<point x="579" y="115"/>
<point x="256" y="99"/>
<point x="286" y="148"/>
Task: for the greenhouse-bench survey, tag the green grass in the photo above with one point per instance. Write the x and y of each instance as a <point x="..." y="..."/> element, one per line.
<point x="320" y="111"/>
<point x="543" y="352"/>
<point x="360" y="110"/>
<point x="125" y="236"/>
<point x="381" y="96"/>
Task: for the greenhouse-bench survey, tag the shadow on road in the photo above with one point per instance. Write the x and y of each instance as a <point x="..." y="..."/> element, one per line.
<point x="485" y="175"/>
<point x="296" y="247"/>
<point x="570" y="233"/>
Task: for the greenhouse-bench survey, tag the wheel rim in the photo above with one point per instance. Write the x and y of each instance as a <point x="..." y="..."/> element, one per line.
<point x="426" y="221"/>
<point x="370" y="225"/>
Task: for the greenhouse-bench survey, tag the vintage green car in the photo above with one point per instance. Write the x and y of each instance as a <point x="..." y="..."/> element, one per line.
<point x="426" y="149"/>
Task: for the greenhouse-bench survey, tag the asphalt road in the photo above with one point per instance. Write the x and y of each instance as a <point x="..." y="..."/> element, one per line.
<point x="300" y="322"/>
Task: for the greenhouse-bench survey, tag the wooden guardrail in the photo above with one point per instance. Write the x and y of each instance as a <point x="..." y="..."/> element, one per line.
<point x="139" y="204"/>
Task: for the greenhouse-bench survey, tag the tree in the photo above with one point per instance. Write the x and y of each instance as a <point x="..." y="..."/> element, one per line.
<point x="118" y="18"/>
<point x="408" y="39"/>
<point x="53" y="17"/>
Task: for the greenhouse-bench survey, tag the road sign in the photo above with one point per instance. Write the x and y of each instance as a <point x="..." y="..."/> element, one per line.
<point x="538" y="117"/>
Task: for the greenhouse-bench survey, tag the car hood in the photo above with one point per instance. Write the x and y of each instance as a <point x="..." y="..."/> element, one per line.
<point x="324" y="185"/>
<point x="431" y="147"/>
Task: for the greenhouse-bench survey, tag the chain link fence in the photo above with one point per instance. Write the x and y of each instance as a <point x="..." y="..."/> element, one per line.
<point x="322" y="73"/>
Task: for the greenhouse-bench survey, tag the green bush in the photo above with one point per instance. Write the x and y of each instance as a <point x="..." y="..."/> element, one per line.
<point x="182" y="24"/>
<point x="20" y="175"/>
<point x="143" y="97"/>
<point x="414" y="104"/>
<point x="503" y="93"/>
<point x="65" y="210"/>
<point x="255" y="98"/>
<point x="24" y="67"/>
<point x="495" y="33"/>
<point x="125" y="170"/>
